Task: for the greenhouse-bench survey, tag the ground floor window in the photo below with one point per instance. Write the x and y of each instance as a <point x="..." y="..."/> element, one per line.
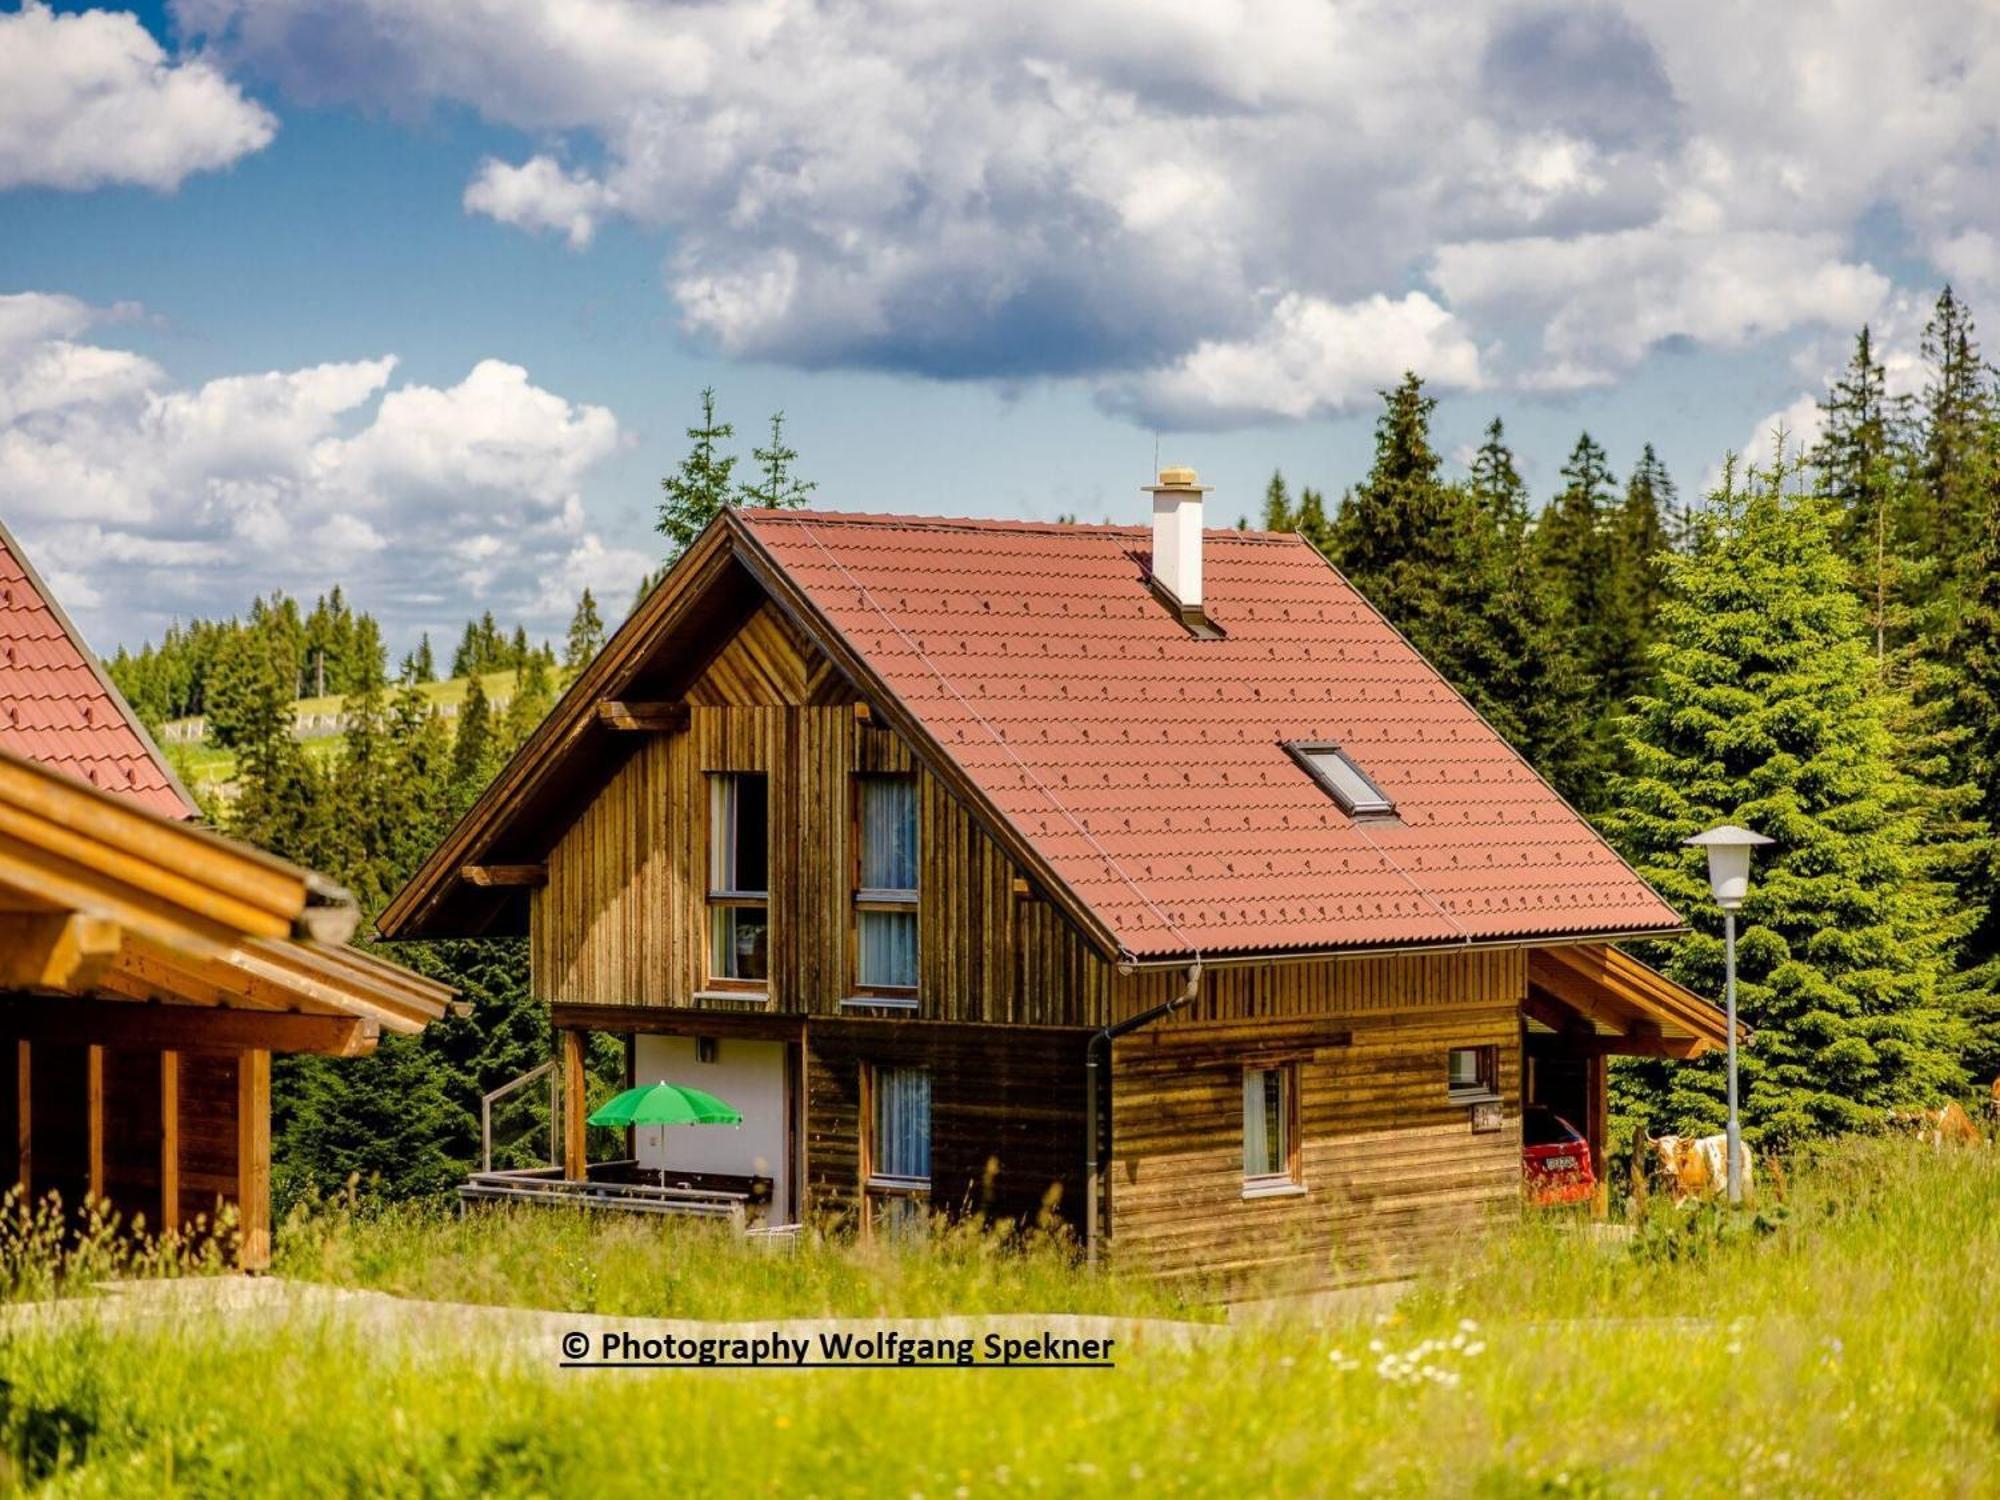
<point x="1472" y="1074"/>
<point x="1271" y="1128"/>
<point x="897" y="1154"/>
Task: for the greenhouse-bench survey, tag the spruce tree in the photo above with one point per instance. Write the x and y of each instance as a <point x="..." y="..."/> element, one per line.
<point x="1956" y="416"/>
<point x="1974" y="710"/>
<point x="1866" y="469"/>
<point x="1496" y="483"/>
<point x="698" y="490"/>
<point x="1311" y="521"/>
<point x="778" y="487"/>
<point x="534" y="692"/>
<point x="1278" y="512"/>
<point x="1764" y="711"/>
<point x="586" y="635"/>
<point x="1439" y="563"/>
<point x="475" y="753"/>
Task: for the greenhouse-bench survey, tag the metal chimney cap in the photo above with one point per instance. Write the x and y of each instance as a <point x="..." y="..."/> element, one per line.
<point x="1179" y="479"/>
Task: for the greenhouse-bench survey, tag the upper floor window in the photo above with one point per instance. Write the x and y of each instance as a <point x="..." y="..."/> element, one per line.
<point x="739" y="880"/>
<point x="885" y="883"/>
<point x="1348" y="784"/>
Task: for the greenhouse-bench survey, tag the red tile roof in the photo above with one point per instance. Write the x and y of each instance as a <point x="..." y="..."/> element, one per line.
<point x="59" y="709"/>
<point x="1148" y="767"/>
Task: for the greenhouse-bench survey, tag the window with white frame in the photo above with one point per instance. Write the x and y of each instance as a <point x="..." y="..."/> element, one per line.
<point x="1271" y="1128"/>
<point x="885" y="884"/>
<point x="739" y="881"/>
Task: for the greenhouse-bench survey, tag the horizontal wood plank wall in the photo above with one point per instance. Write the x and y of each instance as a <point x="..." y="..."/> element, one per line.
<point x="1331" y="987"/>
<point x="1391" y="1167"/>
<point x="1007" y="1113"/>
<point x="132" y="1131"/>
<point x="208" y="1134"/>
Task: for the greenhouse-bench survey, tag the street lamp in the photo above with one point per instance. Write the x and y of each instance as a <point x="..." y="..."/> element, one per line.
<point x="1729" y="877"/>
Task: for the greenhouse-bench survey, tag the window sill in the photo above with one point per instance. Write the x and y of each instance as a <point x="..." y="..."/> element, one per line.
<point x="1274" y="1190"/>
<point x="879" y="1002"/>
<point x="758" y="999"/>
<point x="909" y="1187"/>
<point x="1472" y="1096"/>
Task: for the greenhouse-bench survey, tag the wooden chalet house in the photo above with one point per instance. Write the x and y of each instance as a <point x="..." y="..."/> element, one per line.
<point x="1147" y="876"/>
<point x="148" y="968"/>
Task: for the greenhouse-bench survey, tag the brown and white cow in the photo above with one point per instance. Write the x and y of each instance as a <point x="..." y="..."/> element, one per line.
<point x="1698" y="1166"/>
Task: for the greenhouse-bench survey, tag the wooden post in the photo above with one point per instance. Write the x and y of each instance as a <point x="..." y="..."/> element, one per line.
<point x="253" y="1158"/>
<point x="170" y="1143"/>
<point x="1597" y="1118"/>
<point x="24" y="1094"/>
<point x="93" y="1073"/>
<point x="575" y="1165"/>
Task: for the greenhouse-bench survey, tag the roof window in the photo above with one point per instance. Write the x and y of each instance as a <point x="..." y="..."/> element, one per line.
<point x="1346" y="782"/>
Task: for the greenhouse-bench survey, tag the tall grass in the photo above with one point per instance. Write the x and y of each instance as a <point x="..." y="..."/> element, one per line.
<point x="1842" y="1345"/>
<point x="576" y="1260"/>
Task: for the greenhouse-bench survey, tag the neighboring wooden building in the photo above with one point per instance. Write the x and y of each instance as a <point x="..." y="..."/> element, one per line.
<point x="149" y="969"/>
<point x="927" y="842"/>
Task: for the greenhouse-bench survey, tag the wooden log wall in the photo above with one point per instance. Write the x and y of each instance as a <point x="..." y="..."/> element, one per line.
<point x="1391" y="1167"/>
<point x="1007" y="1114"/>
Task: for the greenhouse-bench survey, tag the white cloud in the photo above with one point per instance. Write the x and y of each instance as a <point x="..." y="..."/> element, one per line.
<point x="1604" y="301"/>
<point x="539" y="194"/>
<point x="1125" y="190"/>
<point x="91" y="99"/>
<point x="1311" y="359"/>
<point x="183" y="500"/>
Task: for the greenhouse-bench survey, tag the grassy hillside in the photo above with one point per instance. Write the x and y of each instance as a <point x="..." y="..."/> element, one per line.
<point x="207" y="768"/>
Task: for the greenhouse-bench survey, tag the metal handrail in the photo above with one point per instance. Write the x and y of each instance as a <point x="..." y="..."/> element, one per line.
<point x="486" y="1102"/>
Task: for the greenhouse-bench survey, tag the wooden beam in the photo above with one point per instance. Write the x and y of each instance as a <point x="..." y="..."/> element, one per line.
<point x="575" y="1159"/>
<point x="643" y="718"/>
<point x="681" y="1020"/>
<point x="504" y="875"/>
<point x="65" y="951"/>
<point x="93" y="1091"/>
<point x="122" y="1023"/>
<point x="253" y="1159"/>
<point x="170" y="1142"/>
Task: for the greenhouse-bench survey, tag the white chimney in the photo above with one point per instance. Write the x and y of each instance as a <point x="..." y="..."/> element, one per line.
<point x="1177" y="536"/>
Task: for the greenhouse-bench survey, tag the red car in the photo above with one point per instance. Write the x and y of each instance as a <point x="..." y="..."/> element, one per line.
<point x="1555" y="1159"/>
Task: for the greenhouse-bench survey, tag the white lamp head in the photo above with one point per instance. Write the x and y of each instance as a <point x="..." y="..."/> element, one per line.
<point x="1728" y="861"/>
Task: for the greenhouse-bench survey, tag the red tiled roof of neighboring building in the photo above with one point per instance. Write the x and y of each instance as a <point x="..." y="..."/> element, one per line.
<point x="1148" y="767"/>
<point x="57" y="706"/>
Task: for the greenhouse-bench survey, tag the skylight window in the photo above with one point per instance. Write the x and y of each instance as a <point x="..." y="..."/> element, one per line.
<point x="1346" y="782"/>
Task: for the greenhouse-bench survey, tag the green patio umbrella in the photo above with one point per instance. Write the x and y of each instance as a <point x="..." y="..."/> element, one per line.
<point x="665" y="1104"/>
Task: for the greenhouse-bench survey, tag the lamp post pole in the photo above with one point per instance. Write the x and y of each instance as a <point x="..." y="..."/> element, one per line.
<point x="1728" y="849"/>
<point x="1735" y="1136"/>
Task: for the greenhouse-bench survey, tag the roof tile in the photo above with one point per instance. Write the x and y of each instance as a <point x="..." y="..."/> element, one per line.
<point x="58" y="709"/>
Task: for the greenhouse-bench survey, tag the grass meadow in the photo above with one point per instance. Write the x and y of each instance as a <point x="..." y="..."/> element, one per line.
<point x="1839" y="1342"/>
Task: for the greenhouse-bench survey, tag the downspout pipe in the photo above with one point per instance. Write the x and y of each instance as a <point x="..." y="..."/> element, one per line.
<point x="1095" y="1053"/>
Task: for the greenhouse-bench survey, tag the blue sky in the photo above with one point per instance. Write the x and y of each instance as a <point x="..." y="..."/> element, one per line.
<point x="984" y="261"/>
